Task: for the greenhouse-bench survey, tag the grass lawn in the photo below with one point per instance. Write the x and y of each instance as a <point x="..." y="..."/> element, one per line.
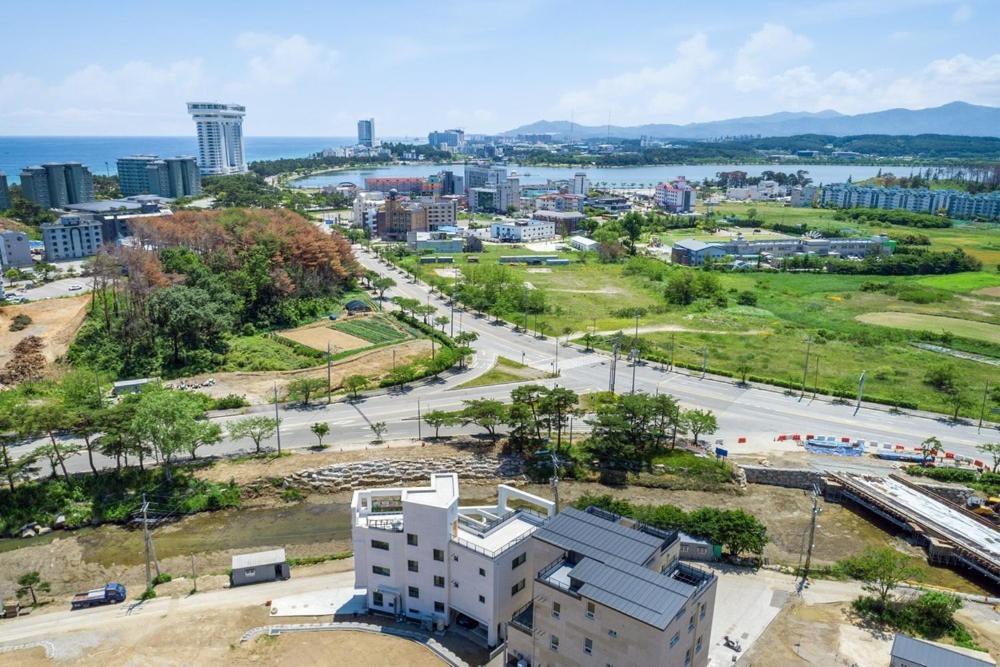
<point x="918" y="322"/>
<point x="504" y="371"/>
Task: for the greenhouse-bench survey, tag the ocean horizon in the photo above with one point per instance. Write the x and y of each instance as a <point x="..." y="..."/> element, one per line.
<point x="101" y="153"/>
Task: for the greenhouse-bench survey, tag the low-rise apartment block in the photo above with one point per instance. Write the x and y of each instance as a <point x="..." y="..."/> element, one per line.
<point x="961" y="205"/>
<point x="15" y="250"/>
<point x="72" y="237"/>
<point x="522" y="231"/>
<point x="559" y="201"/>
<point x="398" y="216"/>
<point x="422" y="556"/>
<point x="606" y="590"/>
<point x="676" y="197"/>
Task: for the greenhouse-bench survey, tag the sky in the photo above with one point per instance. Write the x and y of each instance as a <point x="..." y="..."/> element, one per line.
<point x="313" y="69"/>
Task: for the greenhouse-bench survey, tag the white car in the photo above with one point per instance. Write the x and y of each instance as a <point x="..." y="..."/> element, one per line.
<point x="75" y="286"/>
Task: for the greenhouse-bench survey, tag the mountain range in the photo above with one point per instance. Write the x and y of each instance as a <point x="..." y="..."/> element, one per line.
<point x="955" y="118"/>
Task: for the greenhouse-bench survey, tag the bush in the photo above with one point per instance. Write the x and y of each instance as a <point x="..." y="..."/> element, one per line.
<point x="148" y="594"/>
<point x="162" y="578"/>
<point x="230" y="402"/>
<point x="746" y="298"/>
<point x="20" y="322"/>
<point x="292" y="495"/>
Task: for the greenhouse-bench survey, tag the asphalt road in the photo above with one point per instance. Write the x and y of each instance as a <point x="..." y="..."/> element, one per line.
<point x="758" y="414"/>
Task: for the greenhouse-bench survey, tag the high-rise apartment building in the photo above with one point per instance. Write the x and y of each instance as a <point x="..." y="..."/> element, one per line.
<point x="4" y="192"/>
<point x="366" y="132"/>
<point x="581" y="186"/>
<point x="54" y="185"/>
<point x="449" y="139"/>
<point x="220" y="137"/>
<point x="167" y="177"/>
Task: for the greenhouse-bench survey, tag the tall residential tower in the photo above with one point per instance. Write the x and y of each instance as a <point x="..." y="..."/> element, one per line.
<point x="366" y="132"/>
<point x="220" y="137"/>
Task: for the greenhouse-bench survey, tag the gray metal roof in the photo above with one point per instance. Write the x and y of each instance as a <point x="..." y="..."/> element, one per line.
<point x="693" y="245"/>
<point x="591" y="535"/>
<point x="929" y="654"/>
<point x="259" y="559"/>
<point x="633" y="590"/>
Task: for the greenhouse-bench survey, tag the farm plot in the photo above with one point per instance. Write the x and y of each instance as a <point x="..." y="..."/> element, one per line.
<point x="374" y="330"/>
<point x="320" y="334"/>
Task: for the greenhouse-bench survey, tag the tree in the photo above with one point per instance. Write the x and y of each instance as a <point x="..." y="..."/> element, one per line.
<point x="744" y="366"/>
<point x="700" y="422"/>
<point x="424" y="310"/>
<point x="257" y="428"/>
<point x="557" y="405"/>
<point x="993" y="449"/>
<point x="355" y="384"/>
<point x="441" y="321"/>
<point x="29" y="584"/>
<point x="381" y="284"/>
<point x="947" y="380"/>
<point x="190" y="318"/>
<point x="485" y="413"/>
<point x="320" y="430"/>
<point x="880" y="570"/>
<point x="169" y="422"/>
<point x="80" y="397"/>
<point x="304" y="389"/>
<point x="208" y="433"/>
<point x="928" y="449"/>
<point x="379" y="429"/>
<point x="588" y="341"/>
<point x="47" y="417"/>
<point x="44" y="269"/>
<point x="438" y="418"/>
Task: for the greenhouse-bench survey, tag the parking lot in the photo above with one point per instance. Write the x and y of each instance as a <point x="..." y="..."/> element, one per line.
<point x="57" y="288"/>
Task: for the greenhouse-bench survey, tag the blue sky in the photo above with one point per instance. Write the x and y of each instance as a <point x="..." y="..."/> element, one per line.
<point x="313" y="69"/>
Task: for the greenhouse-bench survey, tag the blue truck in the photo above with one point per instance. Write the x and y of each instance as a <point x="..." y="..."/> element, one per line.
<point x="111" y="593"/>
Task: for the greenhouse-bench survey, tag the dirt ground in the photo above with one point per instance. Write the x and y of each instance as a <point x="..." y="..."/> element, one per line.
<point x="55" y="321"/>
<point x="350" y="648"/>
<point x="258" y="386"/>
<point x="318" y="334"/>
<point x="824" y="635"/>
<point x="988" y="291"/>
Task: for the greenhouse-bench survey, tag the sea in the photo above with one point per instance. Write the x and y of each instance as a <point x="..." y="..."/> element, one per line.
<point x="101" y="153"/>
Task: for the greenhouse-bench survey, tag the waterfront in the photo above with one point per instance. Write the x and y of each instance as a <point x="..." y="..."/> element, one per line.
<point x="623" y="177"/>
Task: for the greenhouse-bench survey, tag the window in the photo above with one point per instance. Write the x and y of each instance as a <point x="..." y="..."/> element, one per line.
<point x="556" y="609"/>
<point x="249" y="572"/>
<point x="687" y="657"/>
<point x="612" y="633"/>
<point x="412" y="566"/>
<point x="438" y="581"/>
<point x="702" y="613"/>
<point x="691" y="623"/>
<point x="439" y="607"/>
<point x="554" y="643"/>
<point x="411" y="539"/>
<point x="697" y="646"/>
<point x="518" y="561"/>
<point x="379" y="544"/>
<point x="377" y="599"/>
<point x="517" y="588"/>
<point x="676" y="638"/>
<point x="378" y="569"/>
<point x="439" y="555"/>
<point x="482" y="572"/>
<point x="482" y="599"/>
<point x="413" y="592"/>
<point x="588" y="645"/>
<point x="590" y="609"/>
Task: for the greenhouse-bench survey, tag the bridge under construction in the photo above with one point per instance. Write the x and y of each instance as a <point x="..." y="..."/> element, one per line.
<point x="951" y="534"/>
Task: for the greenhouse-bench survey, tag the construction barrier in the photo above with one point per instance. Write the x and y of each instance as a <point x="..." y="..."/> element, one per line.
<point x="741" y="440"/>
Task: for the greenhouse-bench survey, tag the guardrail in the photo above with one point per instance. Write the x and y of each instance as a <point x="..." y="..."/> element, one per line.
<point x="391" y="525"/>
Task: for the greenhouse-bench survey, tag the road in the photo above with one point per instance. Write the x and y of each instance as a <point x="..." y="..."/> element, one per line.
<point x="758" y="414"/>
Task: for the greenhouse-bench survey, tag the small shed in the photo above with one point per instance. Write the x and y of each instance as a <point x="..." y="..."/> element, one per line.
<point x="357" y="306"/>
<point x="130" y="386"/>
<point x="259" y="567"/>
<point x="698" y="548"/>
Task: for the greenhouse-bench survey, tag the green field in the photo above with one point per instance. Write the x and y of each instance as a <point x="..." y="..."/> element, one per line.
<point x="504" y="371"/>
<point x="374" y="330"/>
<point x="918" y="322"/>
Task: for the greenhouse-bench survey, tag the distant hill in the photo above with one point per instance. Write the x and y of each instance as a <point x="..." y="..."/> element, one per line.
<point x="956" y="118"/>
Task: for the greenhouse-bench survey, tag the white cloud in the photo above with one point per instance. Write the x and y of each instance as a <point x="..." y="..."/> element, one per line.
<point x="772" y="71"/>
<point x="286" y="60"/>
<point x="962" y="14"/>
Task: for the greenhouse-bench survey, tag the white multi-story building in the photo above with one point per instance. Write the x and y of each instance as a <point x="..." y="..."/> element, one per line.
<point x="422" y="556"/>
<point x="72" y="237"/>
<point x="220" y="137"/>
<point x="956" y="204"/>
<point x="559" y="201"/>
<point x="581" y="186"/>
<point x="676" y="197"/>
<point x="366" y="206"/>
<point x="522" y="231"/>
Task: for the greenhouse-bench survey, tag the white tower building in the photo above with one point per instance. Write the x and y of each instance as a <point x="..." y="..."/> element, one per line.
<point x="220" y="137"/>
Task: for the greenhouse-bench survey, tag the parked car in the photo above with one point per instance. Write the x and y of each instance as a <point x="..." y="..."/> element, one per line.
<point x="75" y="286"/>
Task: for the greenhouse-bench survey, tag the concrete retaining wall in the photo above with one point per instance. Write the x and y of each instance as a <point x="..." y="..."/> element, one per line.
<point x="791" y="478"/>
<point x="388" y="472"/>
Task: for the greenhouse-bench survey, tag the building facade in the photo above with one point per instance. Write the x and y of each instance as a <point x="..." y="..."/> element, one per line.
<point x="497" y="197"/>
<point x="955" y="204"/>
<point x="166" y="177"/>
<point x="221" y="148"/>
<point x="4" y="192"/>
<point x="676" y="197"/>
<point x="366" y="132"/>
<point x="416" y="185"/>
<point x="691" y="252"/>
<point x="15" y="250"/>
<point x="72" y="237"/>
<point x="422" y="556"/>
<point x="54" y="185"/>
<point x="447" y="140"/>
<point x="606" y="590"/>
<point x="558" y="201"/>
<point x="581" y="186"/>
<point x="365" y="207"/>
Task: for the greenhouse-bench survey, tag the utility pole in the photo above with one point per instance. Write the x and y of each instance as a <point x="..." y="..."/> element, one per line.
<point x="614" y="366"/>
<point x="982" y="410"/>
<point x="97" y="385"/>
<point x="673" y="338"/>
<point x="816" y="379"/>
<point x="704" y="361"/>
<point x="805" y="368"/>
<point x="812" y="536"/>
<point x="393" y="359"/>
<point x="555" y="478"/>
<point x="420" y="434"/>
<point x="556" y="368"/>
<point x="194" y="574"/>
<point x="148" y="541"/>
<point x="635" y="362"/>
<point x="277" y="420"/>
<point x="329" y="370"/>
<point x="861" y="391"/>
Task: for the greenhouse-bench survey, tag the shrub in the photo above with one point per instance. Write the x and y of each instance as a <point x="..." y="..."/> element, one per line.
<point x="162" y="578"/>
<point x="20" y="322"/>
<point x="231" y="402"/>
<point x="292" y="495"/>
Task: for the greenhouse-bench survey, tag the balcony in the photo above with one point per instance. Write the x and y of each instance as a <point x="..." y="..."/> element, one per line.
<point x="394" y="525"/>
<point x="556" y="574"/>
<point x="523" y="619"/>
